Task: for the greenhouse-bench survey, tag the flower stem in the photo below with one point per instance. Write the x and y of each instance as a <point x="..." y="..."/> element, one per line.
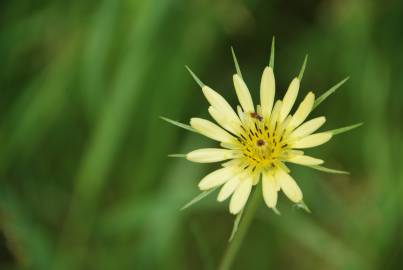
<point x="235" y="244"/>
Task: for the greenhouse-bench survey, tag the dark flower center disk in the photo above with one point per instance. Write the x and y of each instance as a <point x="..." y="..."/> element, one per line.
<point x="260" y="142"/>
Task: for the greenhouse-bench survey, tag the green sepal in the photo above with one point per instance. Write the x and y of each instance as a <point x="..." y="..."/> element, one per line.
<point x="177" y="155"/>
<point x="303" y="206"/>
<point x="178" y="124"/>
<point x="328" y="170"/>
<point x="198" y="198"/>
<point x="271" y="60"/>
<point x="236" y="225"/>
<point x="325" y="95"/>
<point x="344" y="129"/>
<point x="198" y="81"/>
<point x="301" y="72"/>
<point x="238" y="70"/>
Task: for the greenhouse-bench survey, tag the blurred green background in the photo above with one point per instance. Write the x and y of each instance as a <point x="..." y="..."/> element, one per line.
<point x="85" y="178"/>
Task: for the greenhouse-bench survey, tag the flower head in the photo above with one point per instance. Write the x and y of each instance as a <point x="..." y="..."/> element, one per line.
<point x="258" y="141"/>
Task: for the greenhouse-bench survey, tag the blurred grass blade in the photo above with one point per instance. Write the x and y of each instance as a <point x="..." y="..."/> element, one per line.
<point x="238" y="70"/>
<point x="199" y="82"/>
<point x="271" y="61"/>
<point x="301" y="72"/>
<point x="203" y="247"/>
<point x="236" y="225"/>
<point x="325" y="95"/>
<point x="198" y="198"/>
<point x="328" y="170"/>
<point x="344" y="129"/>
<point x="179" y="124"/>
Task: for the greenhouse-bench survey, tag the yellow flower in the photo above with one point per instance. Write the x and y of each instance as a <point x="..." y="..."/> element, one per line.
<point x="258" y="141"/>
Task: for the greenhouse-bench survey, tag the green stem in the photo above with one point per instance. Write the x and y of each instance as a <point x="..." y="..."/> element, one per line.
<point x="235" y="244"/>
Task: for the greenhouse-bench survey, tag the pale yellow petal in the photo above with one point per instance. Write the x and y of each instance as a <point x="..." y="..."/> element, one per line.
<point x="289" y="98"/>
<point x="309" y="127"/>
<point x="275" y="115"/>
<point x="269" y="186"/>
<point x="211" y="130"/>
<point x="228" y="188"/>
<point x="233" y="162"/>
<point x="303" y="111"/>
<point x="289" y="186"/>
<point x="305" y="160"/>
<point x="312" y="140"/>
<point x="216" y="178"/>
<point x="242" y="91"/>
<point x="240" y="196"/>
<point x="232" y="126"/>
<point x="208" y="155"/>
<point x="267" y="91"/>
<point x="220" y="104"/>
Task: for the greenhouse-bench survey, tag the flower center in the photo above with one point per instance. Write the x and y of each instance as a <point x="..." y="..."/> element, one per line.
<point x="263" y="143"/>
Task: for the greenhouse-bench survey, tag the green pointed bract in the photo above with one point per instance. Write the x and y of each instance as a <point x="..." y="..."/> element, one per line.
<point x="344" y="129"/>
<point x="301" y="72"/>
<point x="275" y="210"/>
<point x="236" y="225"/>
<point x="238" y="70"/>
<point x="303" y="206"/>
<point x="328" y="170"/>
<point x="178" y="124"/>
<point x="177" y="155"/>
<point x="198" y="198"/>
<point x="325" y="95"/>
<point x="271" y="60"/>
<point x="199" y="82"/>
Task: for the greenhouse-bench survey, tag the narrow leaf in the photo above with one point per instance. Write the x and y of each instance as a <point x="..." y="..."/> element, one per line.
<point x="328" y="170"/>
<point x="301" y="72"/>
<point x="238" y="70"/>
<point x="344" y="129"/>
<point x="176" y="123"/>
<point x="325" y="95"/>
<point x="198" y="198"/>
<point x="271" y="61"/>
<point x="236" y="225"/>
<point x="177" y="155"/>
<point x="199" y="82"/>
